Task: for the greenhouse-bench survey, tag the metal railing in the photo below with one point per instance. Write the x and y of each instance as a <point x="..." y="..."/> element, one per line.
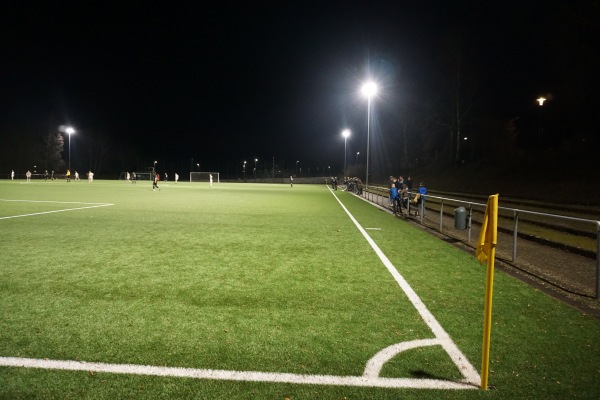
<point x="380" y="196"/>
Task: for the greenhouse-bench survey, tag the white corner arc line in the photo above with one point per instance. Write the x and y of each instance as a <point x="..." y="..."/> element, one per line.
<point x="459" y="359"/>
<point x="376" y="363"/>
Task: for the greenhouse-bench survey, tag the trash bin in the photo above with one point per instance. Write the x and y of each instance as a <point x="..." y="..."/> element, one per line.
<point x="460" y="218"/>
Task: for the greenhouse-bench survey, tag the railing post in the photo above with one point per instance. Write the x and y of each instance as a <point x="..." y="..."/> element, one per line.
<point x="441" y="215"/>
<point x="515" y="235"/>
<point x="469" y="223"/>
<point x="597" y="259"/>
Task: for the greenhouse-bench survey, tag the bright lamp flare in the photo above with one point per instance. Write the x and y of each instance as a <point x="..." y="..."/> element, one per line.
<point x="346" y="133"/>
<point x="369" y="89"/>
<point x="541" y="101"/>
<point x="69" y="130"/>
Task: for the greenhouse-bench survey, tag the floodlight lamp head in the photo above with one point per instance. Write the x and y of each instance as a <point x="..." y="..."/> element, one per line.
<point x="346" y="133"/>
<point x="69" y="130"/>
<point x="369" y="89"/>
<point x="541" y="100"/>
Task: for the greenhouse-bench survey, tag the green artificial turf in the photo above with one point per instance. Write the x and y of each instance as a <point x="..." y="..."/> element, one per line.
<point x="253" y="277"/>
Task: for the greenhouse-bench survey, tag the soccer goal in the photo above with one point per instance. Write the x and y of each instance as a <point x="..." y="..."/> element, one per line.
<point x="204" y="176"/>
<point x="139" y="176"/>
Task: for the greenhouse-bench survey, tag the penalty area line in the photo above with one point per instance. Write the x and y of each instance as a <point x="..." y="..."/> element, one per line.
<point x="56" y="211"/>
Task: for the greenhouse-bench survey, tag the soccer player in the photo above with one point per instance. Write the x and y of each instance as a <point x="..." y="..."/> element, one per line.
<point x="176" y="177"/>
<point x="68" y="175"/>
<point x="210" y="175"/>
<point x="155" y="181"/>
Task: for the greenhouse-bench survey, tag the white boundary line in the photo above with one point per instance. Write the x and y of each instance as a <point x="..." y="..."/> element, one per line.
<point x="459" y="359"/>
<point x="90" y="205"/>
<point x="370" y="377"/>
<point x="249" y="376"/>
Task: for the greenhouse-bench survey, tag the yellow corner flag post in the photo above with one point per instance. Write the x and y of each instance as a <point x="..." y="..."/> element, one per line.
<point x="486" y="252"/>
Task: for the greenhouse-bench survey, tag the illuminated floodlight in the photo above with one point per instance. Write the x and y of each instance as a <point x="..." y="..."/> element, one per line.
<point x="369" y="89"/>
<point x="541" y="100"/>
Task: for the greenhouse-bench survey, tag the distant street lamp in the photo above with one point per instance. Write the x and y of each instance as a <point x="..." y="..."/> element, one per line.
<point x="244" y="171"/>
<point x="297" y="167"/>
<point x="357" y="153"/>
<point x="255" y="161"/>
<point x="198" y="165"/>
<point x="345" y="134"/>
<point x="540" y="101"/>
<point x="369" y="89"/>
<point x="69" y="131"/>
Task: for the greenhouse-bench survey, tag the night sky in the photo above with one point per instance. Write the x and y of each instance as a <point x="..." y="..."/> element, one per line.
<point x="224" y="83"/>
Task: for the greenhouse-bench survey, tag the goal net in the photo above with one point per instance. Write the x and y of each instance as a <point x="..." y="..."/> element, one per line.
<point x="204" y="177"/>
<point x="139" y="176"/>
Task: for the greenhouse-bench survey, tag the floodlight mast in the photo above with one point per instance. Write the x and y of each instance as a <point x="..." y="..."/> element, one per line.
<point x="345" y="134"/>
<point x="69" y="130"/>
<point x="369" y="89"/>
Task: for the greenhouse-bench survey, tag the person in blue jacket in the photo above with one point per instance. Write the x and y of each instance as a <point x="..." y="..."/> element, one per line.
<point x="422" y="193"/>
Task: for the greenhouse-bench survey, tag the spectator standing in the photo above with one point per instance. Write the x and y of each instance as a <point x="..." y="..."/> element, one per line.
<point x="409" y="183"/>
<point x="422" y="193"/>
<point x="404" y="197"/>
<point x="394" y="197"/>
<point x="400" y="183"/>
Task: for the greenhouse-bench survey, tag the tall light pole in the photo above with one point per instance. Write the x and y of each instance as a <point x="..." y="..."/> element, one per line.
<point x="297" y="167"/>
<point x="345" y="134"/>
<point x="357" y="153"/>
<point x="244" y="171"/>
<point x="369" y="89"/>
<point x="255" y="161"/>
<point x="69" y="131"/>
